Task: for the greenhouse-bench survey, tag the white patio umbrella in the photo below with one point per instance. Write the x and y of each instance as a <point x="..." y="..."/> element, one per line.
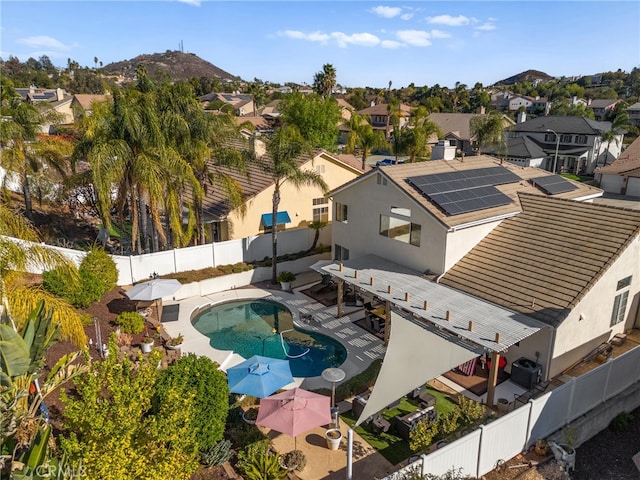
<point x="153" y="290"/>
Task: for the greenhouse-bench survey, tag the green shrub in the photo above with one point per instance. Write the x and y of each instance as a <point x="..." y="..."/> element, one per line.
<point x="97" y="272"/>
<point x="200" y="377"/>
<point x="358" y="383"/>
<point x="449" y="423"/>
<point x="621" y="422"/>
<point x="258" y="462"/>
<point x="98" y="265"/>
<point x="226" y="269"/>
<point x="55" y="282"/>
<point x="470" y="410"/>
<point x="218" y="454"/>
<point x="422" y="435"/>
<point x="130" y="322"/>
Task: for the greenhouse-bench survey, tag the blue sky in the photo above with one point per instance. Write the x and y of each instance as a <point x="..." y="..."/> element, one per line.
<point x="369" y="43"/>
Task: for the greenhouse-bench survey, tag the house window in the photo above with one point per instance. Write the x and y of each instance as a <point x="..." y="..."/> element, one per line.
<point x="405" y="212"/>
<point x="381" y="180"/>
<point x="341" y="213"/>
<point x="581" y="139"/>
<point x="549" y="137"/>
<point x="340" y="252"/>
<point x="320" y="201"/>
<point x="400" y="230"/>
<point x="565" y="138"/>
<point x="319" y="168"/>
<point x="321" y="214"/>
<point x="620" y="302"/>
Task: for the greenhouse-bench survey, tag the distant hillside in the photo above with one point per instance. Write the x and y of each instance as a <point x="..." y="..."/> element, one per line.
<point x="529" y="75"/>
<point x="172" y="64"/>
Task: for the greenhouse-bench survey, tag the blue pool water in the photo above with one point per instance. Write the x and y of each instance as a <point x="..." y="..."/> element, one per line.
<point x="247" y="327"/>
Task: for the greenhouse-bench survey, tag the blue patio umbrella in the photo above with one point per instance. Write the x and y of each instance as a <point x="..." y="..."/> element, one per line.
<point x="259" y="376"/>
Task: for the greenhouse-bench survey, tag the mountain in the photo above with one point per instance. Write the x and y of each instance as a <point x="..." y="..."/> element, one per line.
<point x="174" y="65"/>
<point x="529" y="75"/>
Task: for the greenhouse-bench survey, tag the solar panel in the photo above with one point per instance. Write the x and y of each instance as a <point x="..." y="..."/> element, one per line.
<point x="470" y="200"/>
<point x="553" y="184"/>
<point x="463" y="180"/>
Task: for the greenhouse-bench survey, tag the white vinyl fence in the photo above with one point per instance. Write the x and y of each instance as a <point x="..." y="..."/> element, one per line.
<point x="478" y="452"/>
<point x="135" y="268"/>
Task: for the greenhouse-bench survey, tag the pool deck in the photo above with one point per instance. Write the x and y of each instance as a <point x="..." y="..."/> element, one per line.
<point x="362" y="347"/>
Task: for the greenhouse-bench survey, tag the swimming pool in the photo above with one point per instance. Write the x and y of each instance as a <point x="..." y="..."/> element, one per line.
<point x="263" y="327"/>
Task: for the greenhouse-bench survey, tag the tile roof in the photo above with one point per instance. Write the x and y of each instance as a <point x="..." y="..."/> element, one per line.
<point x="86" y="99"/>
<point x="255" y="181"/>
<point x="627" y="163"/>
<point x="382" y="109"/>
<point x="260" y="123"/>
<point x="522" y="147"/>
<point x="544" y="260"/>
<point x="398" y="174"/>
<point x="563" y="124"/>
<point x="456" y="123"/>
<point x="603" y="102"/>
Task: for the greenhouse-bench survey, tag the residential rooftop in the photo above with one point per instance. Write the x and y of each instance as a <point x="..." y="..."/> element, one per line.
<point x="543" y="261"/>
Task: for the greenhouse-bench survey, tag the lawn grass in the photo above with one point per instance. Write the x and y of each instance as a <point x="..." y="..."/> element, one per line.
<point x="391" y="446"/>
<point x="577" y="178"/>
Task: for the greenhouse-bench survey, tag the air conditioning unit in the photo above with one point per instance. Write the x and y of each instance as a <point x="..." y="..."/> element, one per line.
<point x="525" y="372"/>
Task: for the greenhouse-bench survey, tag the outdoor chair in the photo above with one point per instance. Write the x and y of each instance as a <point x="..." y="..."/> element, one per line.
<point x="379" y="424"/>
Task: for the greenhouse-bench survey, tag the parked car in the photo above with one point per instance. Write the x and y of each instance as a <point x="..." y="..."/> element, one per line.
<point x="388" y="161"/>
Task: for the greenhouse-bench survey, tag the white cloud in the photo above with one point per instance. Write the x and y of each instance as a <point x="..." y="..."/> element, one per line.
<point x="449" y="20"/>
<point x="391" y="44"/>
<point x="417" y="38"/>
<point x="440" y="34"/>
<point x="361" y="39"/>
<point x="386" y="12"/>
<point x="311" y="37"/>
<point x="406" y="16"/>
<point x="195" y="3"/>
<point x="43" y="41"/>
<point x="487" y="27"/>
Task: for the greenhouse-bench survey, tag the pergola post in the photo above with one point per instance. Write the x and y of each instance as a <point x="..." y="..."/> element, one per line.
<point x="340" y="297"/>
<point x="387" y="322"/>
<point x="493" y="378"/>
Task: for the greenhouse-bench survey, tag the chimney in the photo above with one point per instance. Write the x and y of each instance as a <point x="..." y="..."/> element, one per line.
<point x="59" y="94"/>
<point x="522" y="117"/>
<point x="481" y="110"/>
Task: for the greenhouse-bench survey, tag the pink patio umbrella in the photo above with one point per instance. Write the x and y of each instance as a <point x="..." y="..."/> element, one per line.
<point x="294" y="411"/>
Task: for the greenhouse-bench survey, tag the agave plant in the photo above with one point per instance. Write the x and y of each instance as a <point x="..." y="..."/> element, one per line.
<point x="24" y="428"/>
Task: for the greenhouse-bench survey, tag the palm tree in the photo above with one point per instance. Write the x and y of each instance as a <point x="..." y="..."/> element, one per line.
<point x="488" y="130"/>
<point x="414" y="139"/>
<point x="363" y="136"/>
<point x="23" y="153"/>
<point x="139" y="144"/>
<point x="325" y="80"/>
<point x="282" y="164"/>
<point x="18" y="300"/>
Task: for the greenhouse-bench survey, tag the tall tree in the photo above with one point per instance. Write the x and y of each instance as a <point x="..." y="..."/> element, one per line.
<point x="325" y="80"/>
<point x="131" y="143"/>
<point x="488" y="130"/>
<point x="282" y="164"/>
<point x="316" y="118"/>
<point x="363" y="137"/>
<point x="416" y="137"/>
<point x="24" y="153"/>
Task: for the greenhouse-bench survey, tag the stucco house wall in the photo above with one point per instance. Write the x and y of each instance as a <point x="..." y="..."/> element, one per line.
<point x="460" y="242"/>
<point x="588" y="324"/>
<point x="297" y="202"/>
<point x="366" y="201"/>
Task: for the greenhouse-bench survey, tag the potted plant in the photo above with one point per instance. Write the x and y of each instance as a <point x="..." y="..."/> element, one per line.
<point x="174" y="343"/>
<point x="285" y="279"/>
<point x="146" y="344"/>
<point x="334" y="437"/>
<point x="503" y="405"/>
<point x="250" y="415"/>
<point x="541" y="447"/>
<point x="294" y="460"/>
